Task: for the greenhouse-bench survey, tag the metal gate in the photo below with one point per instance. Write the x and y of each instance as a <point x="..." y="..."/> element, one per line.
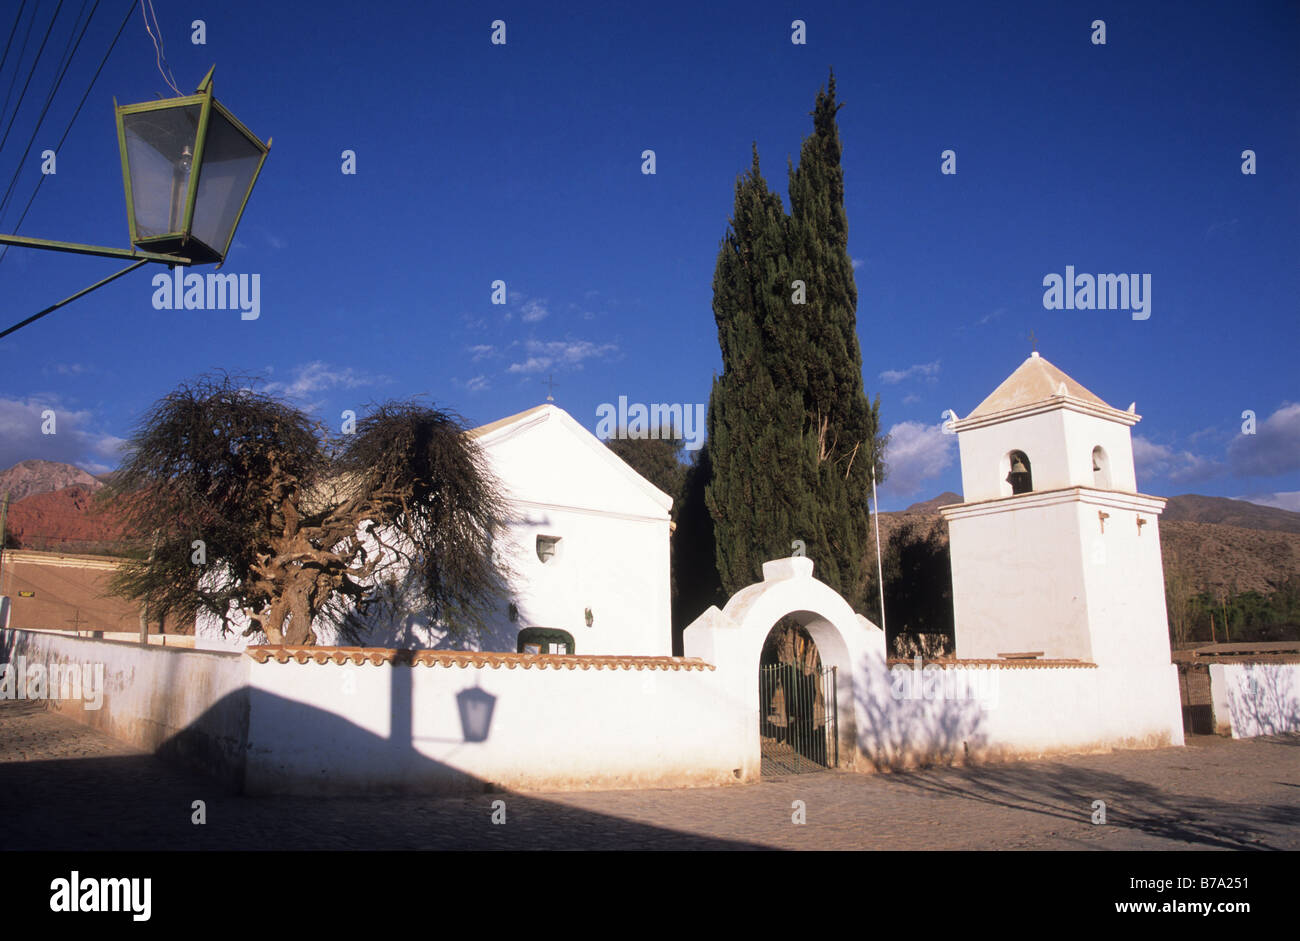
<point x="798" y="726"/>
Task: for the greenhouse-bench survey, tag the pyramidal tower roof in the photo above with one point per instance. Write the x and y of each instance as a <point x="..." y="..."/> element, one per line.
<point x="1035" y="380"/>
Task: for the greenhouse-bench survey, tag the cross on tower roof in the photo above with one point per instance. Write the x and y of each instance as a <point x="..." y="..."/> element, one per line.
<point x="549" y="382"/>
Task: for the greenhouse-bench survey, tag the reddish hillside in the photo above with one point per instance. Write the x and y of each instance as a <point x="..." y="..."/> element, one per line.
<point x="65" y="520"/>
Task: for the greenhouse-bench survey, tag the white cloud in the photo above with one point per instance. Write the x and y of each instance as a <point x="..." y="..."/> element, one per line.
<point x="1274" y="448"/>
<point x="318" y="376"/>
<point x="1160" y="460"/>
<point x="69" y="369"/>
<point x="926" y="370"/>
<point x="1283" y="500"/>
<point x="481" y="350"/>
<point x="75" y="439"/>
<point x="858" y="263"/>
<point x="916" y="453"/>
<point x="544" y="355"/>
<point x="533" y="311"/>
<point x="477" y="384"/>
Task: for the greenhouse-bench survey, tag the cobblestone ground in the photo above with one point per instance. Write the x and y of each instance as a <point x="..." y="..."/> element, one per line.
<point x="66" y="787"/>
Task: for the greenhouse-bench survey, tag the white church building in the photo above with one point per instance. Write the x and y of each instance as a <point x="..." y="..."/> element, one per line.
<point x="587" y="546"/>
<point x="1061" y="639"/>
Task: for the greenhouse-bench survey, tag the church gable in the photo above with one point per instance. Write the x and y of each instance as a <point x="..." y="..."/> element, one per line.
<point x="544" y="456"/>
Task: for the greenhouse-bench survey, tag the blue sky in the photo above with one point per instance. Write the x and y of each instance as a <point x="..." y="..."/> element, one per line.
<point x="522" y="162"/>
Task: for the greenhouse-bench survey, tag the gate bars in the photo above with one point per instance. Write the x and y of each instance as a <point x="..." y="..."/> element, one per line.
<point x="798" y="720"/>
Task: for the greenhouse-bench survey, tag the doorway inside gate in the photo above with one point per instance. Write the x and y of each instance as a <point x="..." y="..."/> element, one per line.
<point x="798" y="721"/>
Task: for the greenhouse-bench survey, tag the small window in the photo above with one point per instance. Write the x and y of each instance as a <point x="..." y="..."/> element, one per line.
<point x="1021" y="477"/>
<point x="548" y="547"/>
<point x="545" y="640"/>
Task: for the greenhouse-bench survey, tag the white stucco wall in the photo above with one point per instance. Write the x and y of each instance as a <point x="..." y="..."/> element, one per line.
<point x="1017" y="578"/>
<point x="330" y="728"/>
<point x="989" y="711"/>
<point x="191" y="703"/>
<point x="1251" y="699"/>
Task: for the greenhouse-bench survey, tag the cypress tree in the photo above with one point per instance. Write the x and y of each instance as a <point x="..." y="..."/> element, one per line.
<point x="823" y="358"/>
<point x="753" y="427"/>
<point x="792" y="436"/>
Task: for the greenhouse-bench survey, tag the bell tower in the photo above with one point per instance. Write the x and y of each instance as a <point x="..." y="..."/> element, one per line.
<point x="1054" y="551"/>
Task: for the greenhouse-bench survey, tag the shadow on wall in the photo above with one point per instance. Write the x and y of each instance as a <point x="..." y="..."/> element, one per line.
<point x="399" y="617"/>
<point x="1264" y="700"/>
<point x="899" y="727"/>
<point x="139" y="804"/>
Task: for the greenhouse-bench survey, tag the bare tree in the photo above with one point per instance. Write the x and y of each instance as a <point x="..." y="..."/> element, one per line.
<point x="251" y="507"/>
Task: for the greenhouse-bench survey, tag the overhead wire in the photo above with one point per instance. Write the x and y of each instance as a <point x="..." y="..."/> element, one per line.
<point x="30" y="75"/>
<point x="49" y="99"/>
<point x="71" y="121"/>
<point x="9" y="43"/>
<point x="159" y="46"/>
<point x="18" y="64"/>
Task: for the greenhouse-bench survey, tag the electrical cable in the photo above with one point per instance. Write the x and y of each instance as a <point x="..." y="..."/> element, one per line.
<point x="30" y="75"/>
<point x="67" y="130"/>
<point x="49" y="100"/>
<point x="9" y="43"/>
<point x="159" y="45"/>
<point x="18" y="65"/>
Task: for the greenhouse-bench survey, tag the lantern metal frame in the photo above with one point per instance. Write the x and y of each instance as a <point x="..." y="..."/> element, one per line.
<point x="184" y="240"/>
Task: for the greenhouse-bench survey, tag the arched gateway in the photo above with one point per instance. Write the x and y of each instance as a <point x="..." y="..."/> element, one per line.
<point x="732" y="640"/>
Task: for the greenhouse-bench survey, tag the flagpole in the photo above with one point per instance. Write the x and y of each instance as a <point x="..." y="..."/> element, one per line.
<point x="880" y="570"/>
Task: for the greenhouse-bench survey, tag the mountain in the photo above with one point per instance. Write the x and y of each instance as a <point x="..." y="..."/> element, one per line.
<point x="34" y="476"/>
<point x="947" y="498"/>
<point x="1193" y="508"/>
<point x="63" y="521"/>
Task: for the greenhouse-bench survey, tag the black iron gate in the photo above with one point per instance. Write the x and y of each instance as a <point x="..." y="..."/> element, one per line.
<point x="798" y="724"/>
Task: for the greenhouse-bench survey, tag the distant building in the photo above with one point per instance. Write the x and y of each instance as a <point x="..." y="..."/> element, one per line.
<point x="64" y="592"/>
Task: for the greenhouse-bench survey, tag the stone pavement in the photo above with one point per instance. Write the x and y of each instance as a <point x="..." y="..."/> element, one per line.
<point x="66" y="787"/>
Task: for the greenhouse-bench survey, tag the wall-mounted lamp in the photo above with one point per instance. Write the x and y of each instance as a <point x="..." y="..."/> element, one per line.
<point x="589" y="617"/>
<point x="1103" y="516"/>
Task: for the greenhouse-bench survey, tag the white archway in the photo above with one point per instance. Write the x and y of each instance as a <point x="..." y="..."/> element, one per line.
<point x="732" y="640"/>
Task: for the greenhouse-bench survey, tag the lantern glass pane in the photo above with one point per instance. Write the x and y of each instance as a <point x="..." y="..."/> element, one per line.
<point x="160" y="156"/>
<point x="230" y="161"/>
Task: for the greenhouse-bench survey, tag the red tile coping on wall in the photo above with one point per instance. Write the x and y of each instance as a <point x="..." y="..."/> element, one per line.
<point x="1011" y="664"/>
<point x="464" y="659"/>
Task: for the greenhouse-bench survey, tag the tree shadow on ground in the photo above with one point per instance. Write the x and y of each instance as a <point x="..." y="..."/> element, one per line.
<point x="137" y="801"/>
<point x="1067" y="792"/>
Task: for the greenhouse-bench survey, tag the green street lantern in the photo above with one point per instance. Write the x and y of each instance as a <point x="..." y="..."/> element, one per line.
<point x="188" y="166"/>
